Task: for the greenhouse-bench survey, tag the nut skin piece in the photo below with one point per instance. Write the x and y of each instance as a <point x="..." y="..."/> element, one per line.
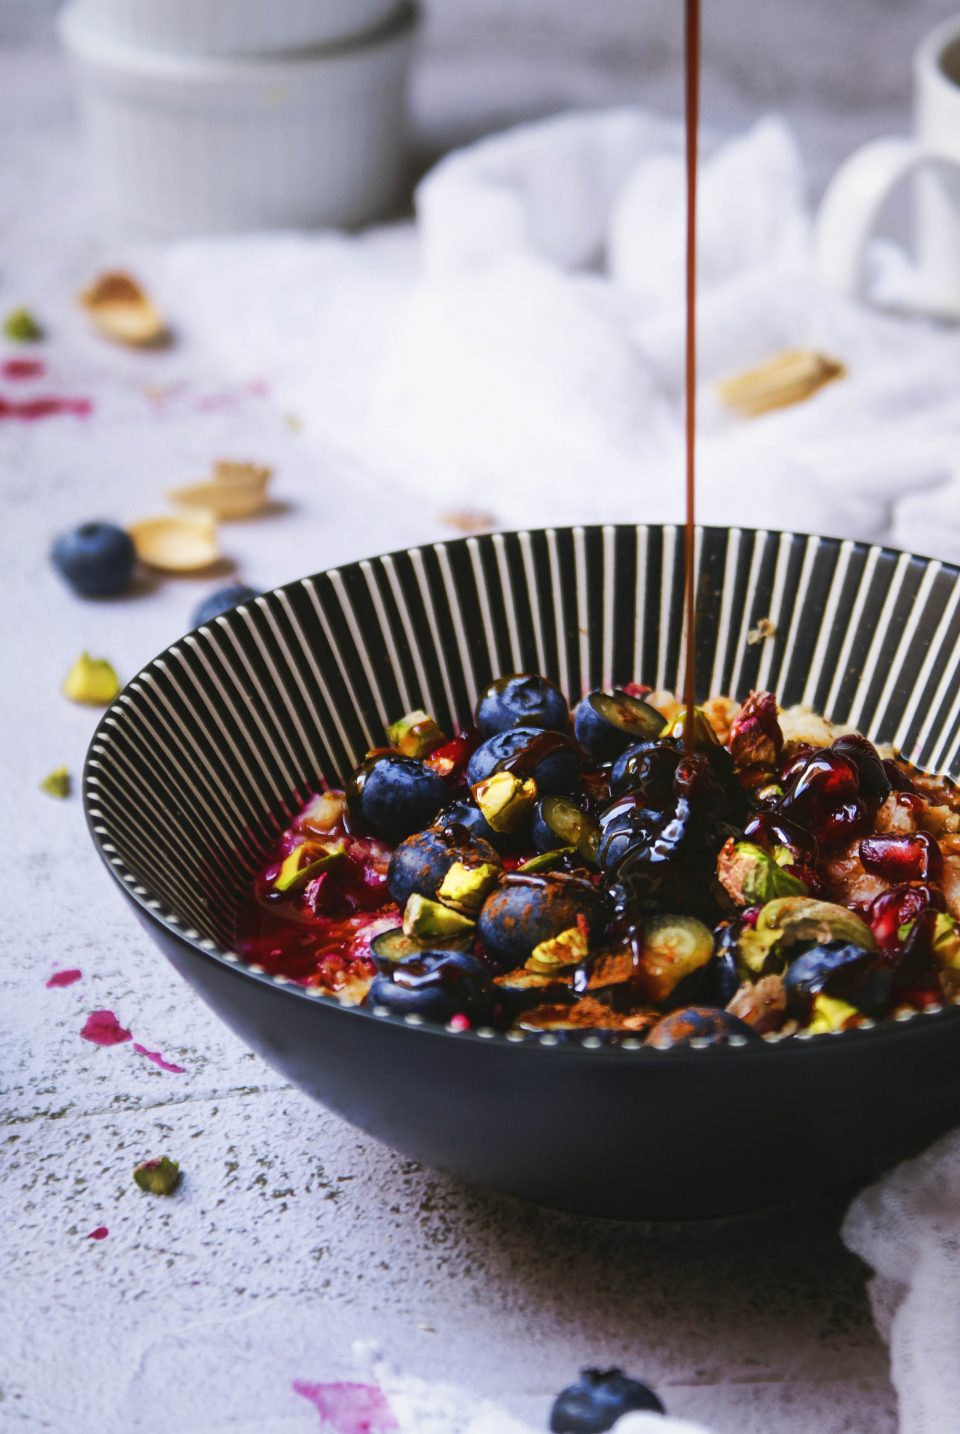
<point x="159" y="1176"/>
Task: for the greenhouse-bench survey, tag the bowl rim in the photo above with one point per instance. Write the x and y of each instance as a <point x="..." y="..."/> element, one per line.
<point x="624" y="1047"/>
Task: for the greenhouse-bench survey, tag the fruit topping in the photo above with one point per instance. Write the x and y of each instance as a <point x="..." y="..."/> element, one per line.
<point x="393" y="796"/>
<point x="698" y="1023"/>
<point x="902" y="858"/>
<point x="608" y="722"/>
<point x="435" y="985"/>
<point x="96" y="559"/>
<point x="600" y="1397"/>
<point x="527" y="910"/>
<point x="522" y="700"/>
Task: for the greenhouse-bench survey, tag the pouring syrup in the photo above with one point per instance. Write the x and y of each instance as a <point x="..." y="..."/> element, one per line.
<point x="692" y="106"/>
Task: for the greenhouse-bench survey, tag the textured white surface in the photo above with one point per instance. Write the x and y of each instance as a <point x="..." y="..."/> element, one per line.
<point x="293" y="1235"/>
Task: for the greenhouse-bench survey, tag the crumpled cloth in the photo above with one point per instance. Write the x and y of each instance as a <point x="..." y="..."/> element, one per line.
<point x="523" y="351"/>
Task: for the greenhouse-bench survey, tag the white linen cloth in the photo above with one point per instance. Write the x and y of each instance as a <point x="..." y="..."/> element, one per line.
<point x="530" y="356"/>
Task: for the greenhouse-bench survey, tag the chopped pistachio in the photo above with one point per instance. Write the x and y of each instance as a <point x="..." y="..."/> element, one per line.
<point x="58" y="783"/>
<point x="567" y="949"/>
<point x="703" y="733"/>
<point x="20" y="327"/>
<point x="546" y="859"/>
<point x="91" y="680"/>
<point x="158" y="1177"/>
<point x="415" y="734"/>
<point x="465" y="887"/>
<point x="946" y="941"/>
<point x="429" y="920"/>
<point x="751" y="877"/>
<point x="831" y="1014"/>
<point x="790" y="919"/>
<point x="505" y="800"/>
<point x="295" y="872"/>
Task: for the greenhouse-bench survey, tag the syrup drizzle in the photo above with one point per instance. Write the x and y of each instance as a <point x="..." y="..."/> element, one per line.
<point x="692" y="52"/>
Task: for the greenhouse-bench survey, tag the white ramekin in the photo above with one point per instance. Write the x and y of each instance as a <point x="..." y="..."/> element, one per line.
<point x="197" y="146"/>
<point x="233" y="27"/>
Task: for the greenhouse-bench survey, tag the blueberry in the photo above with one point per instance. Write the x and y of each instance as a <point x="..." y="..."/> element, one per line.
<point x="842" y="969"/>
<point x="608" y="722"/>
<point x="555" y="771"/>
<point x="467" y="814"/>
<point x="222" y="601"/>
<point x="648" y="770"/>
<point x="96" y="559"/>
<point x="598" y="1399"/>
<point x="422" y="861"/>
<point x="435" y="985"/>
<point x="524" y="911"/>
<point x="392" y="796"/>
<point x="705" y="1023"/>
<point x="523" y="700"/>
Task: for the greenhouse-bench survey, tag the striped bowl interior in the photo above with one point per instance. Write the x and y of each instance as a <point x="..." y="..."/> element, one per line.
<point x="207" y="754"/>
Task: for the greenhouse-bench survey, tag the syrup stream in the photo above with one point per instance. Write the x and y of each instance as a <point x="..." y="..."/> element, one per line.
<point x="692" y="51"/>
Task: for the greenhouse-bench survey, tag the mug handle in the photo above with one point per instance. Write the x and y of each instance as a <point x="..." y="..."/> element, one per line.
<point x="853" y="201"/>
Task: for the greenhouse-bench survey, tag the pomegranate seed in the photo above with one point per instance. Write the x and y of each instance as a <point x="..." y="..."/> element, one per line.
<point x="916" y="968"/>
<point x="898" y="778"/>
<point x="770" y="829"/>
<point x="827" y="779"/>
<point x="750" y="916"/>
<point x="894" y="908"/>
<point x="874" y="782"/>
<point x="902" y="858"/>
<point x="844" y="823"/>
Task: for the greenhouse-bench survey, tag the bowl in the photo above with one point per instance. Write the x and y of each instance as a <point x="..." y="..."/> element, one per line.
<point x="196" y="145"/>
<point x="233" y="27"/>
<point x="206" y="755"/>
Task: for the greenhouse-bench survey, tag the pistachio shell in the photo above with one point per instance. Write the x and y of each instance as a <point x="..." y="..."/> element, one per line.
<point x="179" y="543"/>
<point x="223" y="500"/>
<point x="92" y="681"/>
<point x="123" y="312"/>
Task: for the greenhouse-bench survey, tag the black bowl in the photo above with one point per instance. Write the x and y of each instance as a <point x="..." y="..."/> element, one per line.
<point x="207" y="754"/>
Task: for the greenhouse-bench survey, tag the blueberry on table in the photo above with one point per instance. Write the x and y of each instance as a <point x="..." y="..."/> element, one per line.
<point x="96" y="559"/>
<point x="553" y="761"/>
<point x="698" y="1023"/>
<point x="223" y="600"/>
<point x="606" y="723"/>
<point x="598" y="1399"/>
<point x="522" y="700"/>
<point x="435" y="985"/>
<point x="525" y="911"/>
<point x="393" y="796"/>
<point x="426" y="860"/>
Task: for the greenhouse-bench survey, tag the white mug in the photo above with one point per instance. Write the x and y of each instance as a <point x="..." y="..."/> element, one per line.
<point x="857" y="193"/>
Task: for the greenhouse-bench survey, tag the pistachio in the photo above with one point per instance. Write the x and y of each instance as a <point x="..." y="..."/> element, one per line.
<point x="415" y="734"/>
<point x="946" y="941"/>
<point x="305" y="862"/>
<point x="703" y="733"/>
<point x="20" y="327"/>
<point x="505" y="800"/>
<point x="465" y="888"/>
<point x="158" y="1177"/>
<point x="751" y="877"/>
<point x="831" y="1014"/>
<point x="58" y="783"/>
<point x="791" y="919"/>
<point x="567" y="949"/>
<point x="92" y="681"/>
<point x="544" y="860"/>
<point x="428" y="920"/>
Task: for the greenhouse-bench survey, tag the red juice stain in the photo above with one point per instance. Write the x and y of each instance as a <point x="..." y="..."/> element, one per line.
<point x="103" y="1029"/>
<point x="100" y="1233"/>
<point x="158" y="1059"/>
<point x="19" y="370"/>
<point x="63" y="978"/>
<point x="349" y="1408"/>
<point x="30" y="409"/>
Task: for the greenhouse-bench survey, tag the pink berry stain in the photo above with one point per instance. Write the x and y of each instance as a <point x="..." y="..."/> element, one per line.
<point x="158" y="1059"/>
<point x="63" y="978"/>
<point x="100" y="1233"/>
<point x="28" y="410"/>
<point x="20" y="370"/>
<point x="349" y="1408"/>
<point x="103" y="1029"/>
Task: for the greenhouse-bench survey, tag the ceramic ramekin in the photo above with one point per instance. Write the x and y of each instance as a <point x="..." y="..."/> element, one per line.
<point x="182" y="146"/>
<point x="233" y="27"/>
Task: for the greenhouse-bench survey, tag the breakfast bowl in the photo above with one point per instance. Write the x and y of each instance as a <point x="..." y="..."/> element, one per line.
<point x="205" y="758"/>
